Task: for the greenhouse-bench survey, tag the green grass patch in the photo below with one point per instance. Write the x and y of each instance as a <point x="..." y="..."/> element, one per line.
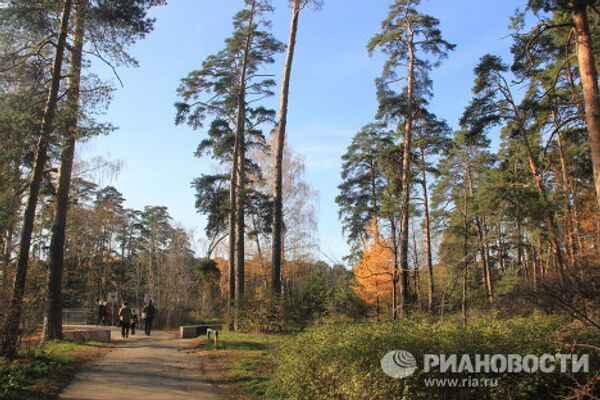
<point x="253" y="371"/>
<point x="41" y="371"/>
<point x="247" y="341"/>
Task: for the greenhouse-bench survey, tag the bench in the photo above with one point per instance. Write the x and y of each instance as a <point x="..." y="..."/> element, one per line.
<point x="87" y="335"/>
<point x="193" y="331"/>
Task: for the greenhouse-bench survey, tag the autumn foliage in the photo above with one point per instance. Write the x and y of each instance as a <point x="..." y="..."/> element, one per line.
<point x="374" y="272"/>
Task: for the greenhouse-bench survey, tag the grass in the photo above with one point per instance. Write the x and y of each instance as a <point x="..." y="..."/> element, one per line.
<point x="42" y="371"/>
<point x="252" y="361"/>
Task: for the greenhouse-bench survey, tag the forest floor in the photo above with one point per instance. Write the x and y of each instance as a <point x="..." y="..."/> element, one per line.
<point x="156" y="367"/>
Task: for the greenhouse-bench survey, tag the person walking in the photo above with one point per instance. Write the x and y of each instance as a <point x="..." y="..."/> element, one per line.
<point x="125" y="319"/>
<point x="134" y="322"/>
<point x="148" y="314"/>
<point x="101" y="314"/>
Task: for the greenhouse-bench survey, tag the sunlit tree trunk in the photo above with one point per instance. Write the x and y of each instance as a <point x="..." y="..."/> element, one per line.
<point x="570" y="224"/>
<point x="483" y="249"/>
<point x="589" y="82"/>
<point x="550" y="219"/>
<point x="240" y="230"/>
<point x="8" y="346"/>
<point x="427" y="229"/>
<point x="407" y="141"/>
<point x="53" y="319"/>
<point x="465" y="281"/>
<point x="280" y="132"/>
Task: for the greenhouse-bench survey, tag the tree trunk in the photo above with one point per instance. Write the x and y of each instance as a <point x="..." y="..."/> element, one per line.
<point x="53" y="319"/>
<point x="427" y="229"/>
<point x="8" y="346"/>
<point x="550" y="219"/>
<point x="483" y="249"/>
<point x="570" y="226"/>
<point x="465" y="283"/>
<point x="416" y="276"/>
<point x="241" y="175"/>
<point x="232" y="236"/>
<point x="589" y="82"/>
<point x="396" y="273"/>
<point x="278" y="155"/>
<point x="408" y="126"/>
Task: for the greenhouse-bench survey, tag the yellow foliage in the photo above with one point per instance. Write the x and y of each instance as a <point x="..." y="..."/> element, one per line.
<point x="375" y="270"/>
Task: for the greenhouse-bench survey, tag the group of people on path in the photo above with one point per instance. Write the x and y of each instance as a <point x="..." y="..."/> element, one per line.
<point x="128" y="318"/>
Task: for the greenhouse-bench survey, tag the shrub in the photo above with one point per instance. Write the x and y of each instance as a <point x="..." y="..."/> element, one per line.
<point x="343" y="361"/>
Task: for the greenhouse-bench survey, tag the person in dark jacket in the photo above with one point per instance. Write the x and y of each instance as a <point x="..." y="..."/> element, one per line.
<point x="102" y="313"/>
<point x="148" y="314"/>
<point x="125" y="319"/>
<point x="134" y="322"/>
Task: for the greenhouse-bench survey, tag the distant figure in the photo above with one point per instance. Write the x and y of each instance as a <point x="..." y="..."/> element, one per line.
<point x="102" y="314"/>
<point x="134" y="322"/>
<point x="125" y="318"/>
<point x="148" y="314"/>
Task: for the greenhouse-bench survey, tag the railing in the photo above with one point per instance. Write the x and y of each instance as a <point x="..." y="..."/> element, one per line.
<point x="76" y="316"/>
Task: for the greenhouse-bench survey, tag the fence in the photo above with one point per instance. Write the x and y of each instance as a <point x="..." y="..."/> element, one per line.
<point x="76" y="316"/>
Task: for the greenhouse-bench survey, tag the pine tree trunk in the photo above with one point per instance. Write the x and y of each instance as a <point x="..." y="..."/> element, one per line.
<point x="8" y="346"/>
<point x="550" y="219"/>
<point x="427" y="228"/>
<point x="240" y="216"/>
<point x="589" y="82"/>
<point x="240" y="230"/>
<point x="483" y="249"/>
<point x="465" y="282"/>
<point x="232" y="236"/>
<point x="416" y="276"/>
<point x="278" y="155"/>
<point x="408" y="126"/>
<point x="488" y="264"/>
<point x="53" y="319"/>
<point x="570" y="226"/>
<point x="396" y="272"/>
<point x="519" y="235"/>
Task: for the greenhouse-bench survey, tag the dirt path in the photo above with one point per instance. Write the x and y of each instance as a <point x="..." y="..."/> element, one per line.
<point x="154" y="368"/>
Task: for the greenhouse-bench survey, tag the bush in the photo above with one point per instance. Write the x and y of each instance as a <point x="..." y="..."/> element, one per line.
<point x="343" y="361"/>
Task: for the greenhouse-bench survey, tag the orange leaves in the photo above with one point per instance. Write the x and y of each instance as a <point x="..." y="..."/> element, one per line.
<point x="374" y="272"/>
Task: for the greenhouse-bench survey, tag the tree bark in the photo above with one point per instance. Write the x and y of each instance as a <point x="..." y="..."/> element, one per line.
<point x="280" y="132"/>
<point x="550" y="219"/>
<point x="589" y="82"/>
<point x="570" y="224"/>
<point x="483" y="248"/>
<point x="53" y="318"/>
<point x="427" y="229"/>
<point x="8" y="346"/>
<point x="232" y="235"/>
<point x="241" y="174"/>
<point x="407" y="141"/>
<point x="465" y="283"/>
<point x="396" y="273"/>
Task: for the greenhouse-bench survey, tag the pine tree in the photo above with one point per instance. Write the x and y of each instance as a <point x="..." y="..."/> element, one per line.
<point x="8" y="346"/>
<point x="493" y="104"/>
<point x="413" y="40"/>
<point x="574" y="23"/>
<point x="278" y="151"/>
<point x="224" y="87"/>
<point x="431" y="138"/>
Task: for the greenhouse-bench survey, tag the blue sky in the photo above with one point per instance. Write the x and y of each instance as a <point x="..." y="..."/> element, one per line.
<point x="332" y="93"/>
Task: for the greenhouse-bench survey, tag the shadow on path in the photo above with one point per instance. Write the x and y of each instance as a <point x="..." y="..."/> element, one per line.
<point x="154" y="368"/>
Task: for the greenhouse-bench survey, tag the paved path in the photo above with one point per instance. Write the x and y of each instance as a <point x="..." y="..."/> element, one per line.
<point x="150" y="368"/>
